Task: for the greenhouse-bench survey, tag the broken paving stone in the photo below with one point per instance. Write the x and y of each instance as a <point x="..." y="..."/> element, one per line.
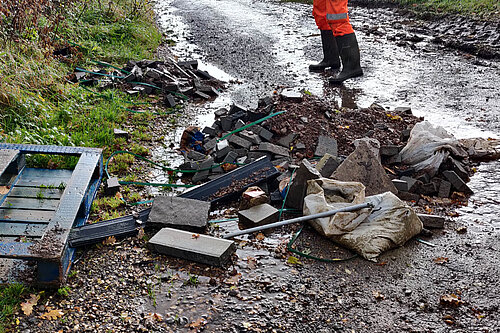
<point x="253" y="155"/>
<point x="210" y="131"/>
<point x="194" y="155"/>
<point x="253" y="196"/>
<point x="432" y="221"/>
<point x="258" y="215"/>
<point x="287" y="140"/>
<point x="459" y="169"/>
<point x="389" y="150"/>
<point x="210" y="144"/>
<point x="457" y="182"/>
<point x="292" y="96"/>
<point x="118" y="133"/>
<point x="236" y="108"/>
<point x="179" y="212"/>
<point x="364" y="167"/>
<point x="112" y="186"/>
<point x="203" y="170"/>
<point x="169" y="101"/>
<point x="273" y="149"/>
<point x="239" y="141"/>
<point x="223" y="149"/>
<point x="226" y="123"/>
<point x="428" y="189"/>
<point x="186" y="245"/>
<point x="327" y="165"/>
<point x="413" y="184"/>
<point x="230" y="157"/>
<point x="326" y="145"/>
<point x="263" y="133"/>
<point x="250" y="136"/>
<point x="298" y="187"/>
<point x="401" y="185"/>
<point x="444" y="189"/>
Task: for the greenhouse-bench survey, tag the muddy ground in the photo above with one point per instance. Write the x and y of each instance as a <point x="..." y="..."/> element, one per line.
<point x="122" y="287"/>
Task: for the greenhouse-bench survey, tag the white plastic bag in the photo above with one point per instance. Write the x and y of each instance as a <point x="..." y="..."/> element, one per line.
<point x="368" y="232"/>
<point x="429" y="146"/>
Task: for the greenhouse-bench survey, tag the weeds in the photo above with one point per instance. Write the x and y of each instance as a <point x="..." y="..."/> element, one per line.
<point x="10" y="298"/>
<point x="192" y="280"/>
<point x="64" y="291"/>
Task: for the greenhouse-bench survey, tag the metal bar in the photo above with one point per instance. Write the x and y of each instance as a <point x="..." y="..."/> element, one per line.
<point x="54" y="150"/>
<point x="300" y="219"/>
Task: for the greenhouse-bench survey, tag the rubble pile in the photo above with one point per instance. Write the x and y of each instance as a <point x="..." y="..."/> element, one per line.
<point x="174" y="81"/>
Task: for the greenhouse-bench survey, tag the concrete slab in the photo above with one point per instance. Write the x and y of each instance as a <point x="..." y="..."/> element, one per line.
<point x="180" y="212"/>
<point x="186" y="245"/>
<point x="326" y="145"/>
<point x="258" y="215"/>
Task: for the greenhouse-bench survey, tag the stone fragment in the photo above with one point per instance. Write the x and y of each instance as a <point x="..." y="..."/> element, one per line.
<point x="236" y="108"/>
<point x="118" y="133"/>
<point x="240" y="123"/>
<point x="210" y="144"/>
<point x="428" y="189"/>
<point x="177" y="212"/>
<point x="203" y="170"/>
<point x="401" y="185"/>
<point x="210" y="131"/>
<point x="112" y="186"/>
<point x="363" y="166"/>
<point x="298" y="187"/>
<point x="263" y="133"/>
<point x="287" y="140"/>
<point x="389" y="150"/>
<point x="250" y="136"/>
<point x="169" y="101"/>
<point x="457" y="182"/>
<point x="253" y="155"/>
<point x="432" y="221"/>
<point x="226" y="123"/>
<point x="239" y="141"/>
<point x="291" y="95"/>
<point x="373" y="143"/>
<point x="195" y="247"/>
<point x="241" y="152"/>
<point x="459" y="169"/>
<point x="194" y="155"/>
<point x="444" y="189"/>
<point x="273" y="149"/>
<point x="326" y="145"/>
<point x="253" y="196"/>
<point x="222" y="149"/>
<point x="258" y="215"/>
<point x="407" y="196"/>
<point x="230" y="157"/>
<point x="327" y="165"/>
<point x="413" y="184"/>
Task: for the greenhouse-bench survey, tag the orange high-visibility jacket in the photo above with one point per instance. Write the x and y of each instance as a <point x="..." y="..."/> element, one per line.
<point x="332" y="15"/>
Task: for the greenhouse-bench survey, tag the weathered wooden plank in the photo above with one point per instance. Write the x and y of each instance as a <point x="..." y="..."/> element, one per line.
<point x="7" y="156"/>
<point x="9" y="229"/>
<point x="45" y="178"/>
<point x="30" y="203"/>
<point x="21" y="215"/>
<point x="36" y="192"/>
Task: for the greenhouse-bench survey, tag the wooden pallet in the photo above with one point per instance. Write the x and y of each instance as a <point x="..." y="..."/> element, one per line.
<point x="38" y="208"/>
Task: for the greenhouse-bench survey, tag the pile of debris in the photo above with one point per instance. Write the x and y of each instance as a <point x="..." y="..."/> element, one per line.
<point x="175" y="81"/>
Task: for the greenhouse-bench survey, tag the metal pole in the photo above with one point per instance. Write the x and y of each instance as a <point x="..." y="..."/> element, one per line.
<point x="300" y="219"/>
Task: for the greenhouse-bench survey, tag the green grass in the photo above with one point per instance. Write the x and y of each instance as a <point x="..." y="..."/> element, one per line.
<point x="11" y="297"/>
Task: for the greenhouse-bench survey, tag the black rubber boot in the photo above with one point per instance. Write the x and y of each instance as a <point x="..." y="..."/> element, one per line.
<point x="349" y="54"/>
<point x="330" y="53"/>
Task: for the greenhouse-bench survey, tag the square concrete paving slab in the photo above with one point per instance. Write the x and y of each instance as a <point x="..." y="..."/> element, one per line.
<point x="186" y="245"/>
<point x="179" y="212"/>
<point x="258" y="215"/>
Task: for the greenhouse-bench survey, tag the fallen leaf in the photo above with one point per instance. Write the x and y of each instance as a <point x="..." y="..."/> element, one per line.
<point x="4" y="190"/>
<point x="195" y="236"/>
<point x="378" y="296"/>
<point x="246" y="324"/>
<point x="198" y="323"/>
<point x="440" y="260"/>
<point x="260" y="236"/>
<point x="451" y="300"/>
<point x="109" y="241"/>
<point x="140" y="233"/>
<point x="383" y="263"/>
<point x="293" y="261"/>
<point x="155" y="316"/>
<point x="252" y="262"/>
<point x="27" y="306"/>
<point x="233" y="279"/>
<point x="348" y="271"/>
<point x="428" y="209"/>
<point x="118" y="195"/>
<point x="52" y="314"/>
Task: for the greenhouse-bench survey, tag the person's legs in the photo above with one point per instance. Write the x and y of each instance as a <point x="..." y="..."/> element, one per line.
<point x="330" y="51"/>
<point x="347" y="44"/>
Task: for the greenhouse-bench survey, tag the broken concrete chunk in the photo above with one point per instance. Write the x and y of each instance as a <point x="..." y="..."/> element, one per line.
<point x="432" y="221"/>
<point x="401" y="185"/>
<point x="326" y="145"/>
<point x="169" y="101"/>
<point x="444" y="189"/>
<point x="226" y="123"/>
<point x="456" y="182"/>
<point x="112" y="186"/>
<point x="210" y="131"/>
<point x="186" y="245"/>
<point x="210" y="144"/>
<point x="364" y="167"/>
<point x="194" y="155"/>
<point x="287" y="140"/>
<point x="327" y="165"/>
<point x="291" y="95"/>
<point x="177" y="212"/>
<point x="373" y="143"/>
<point x="273" y="149"/>
<point x="253" y="196"/>
<point x="298" y="187"/>
<point x="118" y="133"/>
<point x="230" y="157"/>
<point x="389" y="150"/>
<point x="250" y="136"/>
<point x="258" y="215"/>
<point x="239" y="141"/>
<point x="413" y="184"/>
<point x="263" y="133"/>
